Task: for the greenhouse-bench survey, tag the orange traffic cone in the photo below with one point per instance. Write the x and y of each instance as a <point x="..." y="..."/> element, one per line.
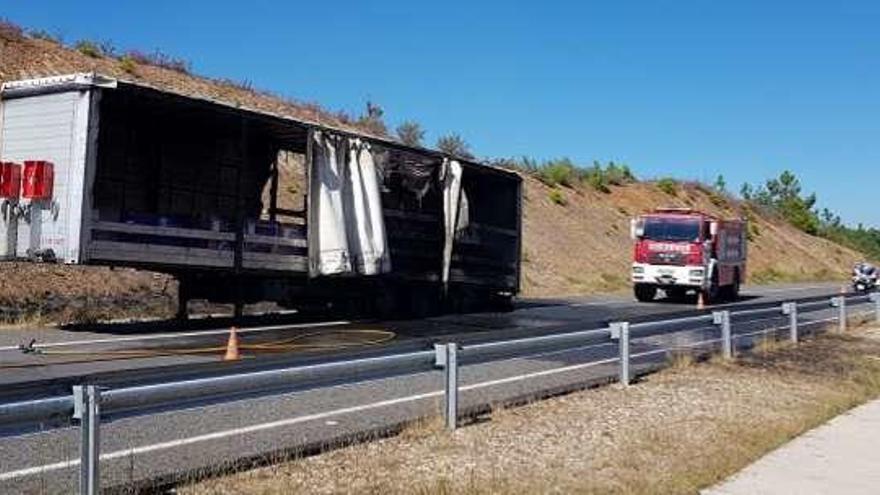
<point x="232" y="346"/>
<point x="701" y="303"/>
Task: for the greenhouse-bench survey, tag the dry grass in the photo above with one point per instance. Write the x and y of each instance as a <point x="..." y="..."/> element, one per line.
<point x="38" y="294"/>
<point x="676" y="432"/>
<point x="681" y="360"/>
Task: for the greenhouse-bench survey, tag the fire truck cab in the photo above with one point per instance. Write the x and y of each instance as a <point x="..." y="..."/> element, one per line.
<point x="681" y="250"/>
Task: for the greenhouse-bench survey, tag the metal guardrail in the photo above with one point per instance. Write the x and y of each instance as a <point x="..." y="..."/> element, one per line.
<point x="88" y="403"/>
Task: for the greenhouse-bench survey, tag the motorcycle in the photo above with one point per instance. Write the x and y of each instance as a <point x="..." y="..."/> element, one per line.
<point x="864" y="282"/>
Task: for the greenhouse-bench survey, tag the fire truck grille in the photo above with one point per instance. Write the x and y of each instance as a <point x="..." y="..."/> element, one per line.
<point x="667" y="258"/>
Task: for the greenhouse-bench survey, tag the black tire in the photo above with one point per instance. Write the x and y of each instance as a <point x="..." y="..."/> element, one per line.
<point x="424" y="301"/>
<point x="731" y="292"/>
<point x="386" y="303"/>
<point x="712" y="294"/>
<point x="644" y="292"/>
<point x="500" y="303"/>
<point x="734" y="289"/>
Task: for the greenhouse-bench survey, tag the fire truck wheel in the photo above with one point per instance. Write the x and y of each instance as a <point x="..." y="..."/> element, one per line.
<point x="733" y="289"/>
<point x="731" y="292"/>
<point x="711" y="294"/>
<point x="644" y="292"/>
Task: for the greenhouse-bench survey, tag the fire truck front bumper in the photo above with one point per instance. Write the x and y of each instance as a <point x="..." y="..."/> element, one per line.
<point x="665" y="275"/>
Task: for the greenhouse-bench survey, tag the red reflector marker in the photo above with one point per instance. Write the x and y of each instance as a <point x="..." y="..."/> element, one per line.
<point x="38" y="180"/>
<point x="10" y="180"/>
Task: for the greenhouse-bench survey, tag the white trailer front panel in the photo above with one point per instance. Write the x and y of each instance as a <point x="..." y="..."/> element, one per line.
<point x="52" y="127"/>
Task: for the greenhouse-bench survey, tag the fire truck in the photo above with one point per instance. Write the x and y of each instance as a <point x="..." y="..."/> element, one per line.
<point x="681" y="251"/>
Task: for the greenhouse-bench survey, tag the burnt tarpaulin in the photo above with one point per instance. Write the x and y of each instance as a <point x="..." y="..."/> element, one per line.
<point x="454" y="216"/>
<point x="364" y="220"/>
<point x="346" y="228"/>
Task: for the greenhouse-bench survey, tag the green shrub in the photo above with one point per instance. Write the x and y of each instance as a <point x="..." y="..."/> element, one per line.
<point x="784" y="196"/>
<point x="668" y="185"/>
<point x="616" y="175"/>
<point x="127" y="64"/>
<point x="561" y="172"/>
<point x="753" y="231"/>
<point x="565" y="172"/>
<point x="410" y="133"/>
<point x="558" y="198"/>
<point x="88" y="48"/>
<point x="455" y="145"/>
<point x="599" y="182"/>
<point x="160" y="59"/>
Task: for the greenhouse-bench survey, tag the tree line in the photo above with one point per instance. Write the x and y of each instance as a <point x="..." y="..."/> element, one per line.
<point x="784" y="195"/>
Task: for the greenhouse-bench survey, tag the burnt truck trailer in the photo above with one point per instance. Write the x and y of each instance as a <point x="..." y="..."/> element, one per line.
<point x="242" y="205"/>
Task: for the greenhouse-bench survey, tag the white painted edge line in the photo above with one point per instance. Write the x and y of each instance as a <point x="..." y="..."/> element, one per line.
<point x="759" y="290"/>
<point x="755" y="290"/>
<point x="217" y="435"/>
<point x="195" y="333"/>
<point x="20" y="473"/>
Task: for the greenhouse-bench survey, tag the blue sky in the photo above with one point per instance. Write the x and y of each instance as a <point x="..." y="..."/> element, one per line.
<point x="683" y="88"/>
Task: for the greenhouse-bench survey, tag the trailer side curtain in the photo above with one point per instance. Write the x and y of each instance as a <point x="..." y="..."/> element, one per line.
<point x="455" y="211"/>
<point x="366" y="226"/>
<point x="346" y="229"/>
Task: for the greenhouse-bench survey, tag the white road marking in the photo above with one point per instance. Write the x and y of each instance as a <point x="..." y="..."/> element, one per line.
<point x="614" y="302"/>
<point x="746" y="290"/>
<point x="760" y="290"/>
<point x="179" y="334"/>
<point x="535" y="374"/>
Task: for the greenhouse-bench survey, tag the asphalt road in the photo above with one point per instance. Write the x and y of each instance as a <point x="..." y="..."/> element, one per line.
<point x="205" y="436"/>
<point x="104" y="356"/>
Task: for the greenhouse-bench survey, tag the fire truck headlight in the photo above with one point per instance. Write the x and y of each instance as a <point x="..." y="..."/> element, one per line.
<point x="638" y="269"/>
<point x="696" y="273"/>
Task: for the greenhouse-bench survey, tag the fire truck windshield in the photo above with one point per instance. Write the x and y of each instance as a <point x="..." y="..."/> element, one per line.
<point x="661" y="229"/>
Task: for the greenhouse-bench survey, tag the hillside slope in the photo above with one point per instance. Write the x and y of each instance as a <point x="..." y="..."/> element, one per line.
<point x="23" y="57"/>
<point x="576" y="248"/>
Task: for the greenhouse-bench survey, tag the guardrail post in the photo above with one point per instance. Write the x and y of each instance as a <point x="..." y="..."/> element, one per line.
<point x="840" y="304"/>
<point x="447" y="358"/>
<point x="874" y="296"/>
<point x="620" y="331"/>
<point x="87" y="409"/>
<point x="790" y="309"/>
<point x="722" y="319"/>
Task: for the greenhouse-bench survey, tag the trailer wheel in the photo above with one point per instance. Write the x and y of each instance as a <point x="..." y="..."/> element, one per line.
<point x="502" y="303"/>
<point x="424" y="301"/>
<point x="645" y="292"/>
<point x="386" y="304"/>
